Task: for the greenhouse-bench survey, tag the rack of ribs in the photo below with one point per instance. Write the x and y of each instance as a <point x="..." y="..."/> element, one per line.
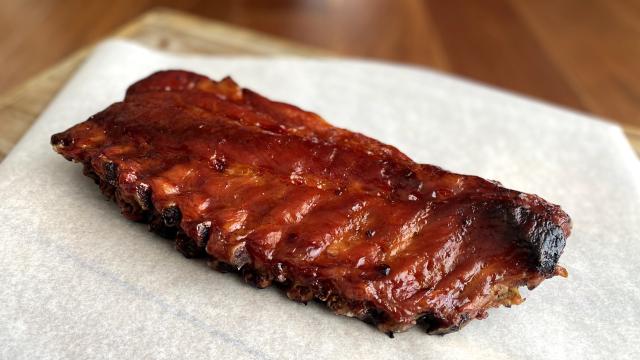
<point x="282" y="197"/>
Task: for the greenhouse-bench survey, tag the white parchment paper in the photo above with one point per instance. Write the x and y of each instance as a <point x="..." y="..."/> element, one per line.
<point x="77" y="280"/>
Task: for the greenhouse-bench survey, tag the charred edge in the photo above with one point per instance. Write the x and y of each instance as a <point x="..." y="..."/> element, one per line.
<point x="430" y="323"/>
<point x="166" y="224"/>
<point x="108" y="190"/>
<point x="222" y="266"/>
<point x="129" y="209"/>
<point x="143" y="195"/>
<point x="203" y="231"/>
<point x="542" y="236"/>
<point x="374" y="316"/>
<point x="157" y="225"/>
<point x="61" y="140"/>
<point x="300" y="293"/>
<point x="111" y="172"/>
<point x="187" y="247"/>
<point x="87" y="170"/>
<point x="279" y="273"/>
<point x="254" y="277"/>
<point x="171" y="216"/>
<point x="240" y="256"/>
<point x="435" y="325"/>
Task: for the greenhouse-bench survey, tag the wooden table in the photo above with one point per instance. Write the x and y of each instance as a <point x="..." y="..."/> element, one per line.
<point x="164" y="29"/>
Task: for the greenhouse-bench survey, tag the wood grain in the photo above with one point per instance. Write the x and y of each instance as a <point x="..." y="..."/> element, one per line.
<point x="604" y="69"/>
<point x="485" y="45"/>
<point x="504" y="43"/>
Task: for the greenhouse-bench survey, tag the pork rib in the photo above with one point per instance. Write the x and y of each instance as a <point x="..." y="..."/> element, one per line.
<point x="279" y="195"/>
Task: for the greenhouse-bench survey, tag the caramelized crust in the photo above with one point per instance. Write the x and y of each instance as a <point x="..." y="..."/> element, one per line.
<point x="279" y="195"/>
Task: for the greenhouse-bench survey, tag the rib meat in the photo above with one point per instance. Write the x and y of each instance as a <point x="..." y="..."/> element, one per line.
<point x="279" y="195"/>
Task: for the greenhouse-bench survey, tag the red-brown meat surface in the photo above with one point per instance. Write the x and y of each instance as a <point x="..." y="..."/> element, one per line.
<point x="280" y="195"/>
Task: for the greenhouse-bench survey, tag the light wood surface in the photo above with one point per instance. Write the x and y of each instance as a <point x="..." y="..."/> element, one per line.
<point x="164" y="29"/>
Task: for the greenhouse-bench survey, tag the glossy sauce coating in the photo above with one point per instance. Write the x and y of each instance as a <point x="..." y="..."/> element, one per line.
<point x="282" y="195"/>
